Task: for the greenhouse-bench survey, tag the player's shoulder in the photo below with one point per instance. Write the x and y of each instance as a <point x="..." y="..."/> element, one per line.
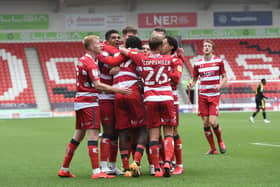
<point x="217" y="59"/>
<point x="86" y="60"/>
<point x="133" y="52"/>
<point x="199" y="61"/>
<point x="176" y="60"/>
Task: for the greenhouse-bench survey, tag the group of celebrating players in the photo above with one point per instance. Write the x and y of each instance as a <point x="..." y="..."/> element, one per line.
<point x="131" y="89"/>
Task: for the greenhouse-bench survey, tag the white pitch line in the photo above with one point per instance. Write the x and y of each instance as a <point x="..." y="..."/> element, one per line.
<point x="266" y="144"/>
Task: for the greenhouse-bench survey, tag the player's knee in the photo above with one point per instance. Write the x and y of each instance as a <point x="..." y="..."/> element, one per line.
<point x="213" y="123"/>
<point x="206" y="124"/>
<point x="93" y="134"/>
<point x="168" y="131"/>
<point x="79" y="135"/>
<point x="143" y="137"/>
<point x="108" y="128"/>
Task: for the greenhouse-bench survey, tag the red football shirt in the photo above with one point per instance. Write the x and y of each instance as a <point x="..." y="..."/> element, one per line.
<point x="155" y="71"/>
<point x="87" y="72"/>
<point x="105" y="76"/>
<point x="175" y="75"/>
<point x="209" y="73"/>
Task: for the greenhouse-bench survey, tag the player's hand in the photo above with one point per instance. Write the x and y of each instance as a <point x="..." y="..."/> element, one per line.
<point x="114" y="70"/>
<point x="125" y="91"/>
<point x="218" y="87"/>
<point x="190" y="85"/>
<point x="180" y="51"/>
<point x="122" y="49"/>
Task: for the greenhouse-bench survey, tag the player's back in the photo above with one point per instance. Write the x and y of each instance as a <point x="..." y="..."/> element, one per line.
<point x="155" y="72"/>
<point x="127" y="76"/>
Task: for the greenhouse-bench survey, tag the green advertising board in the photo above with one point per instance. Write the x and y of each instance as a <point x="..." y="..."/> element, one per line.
<point x="143" y="34"/>
<point x="46" y="36"/>
<point x="24" y="22"/>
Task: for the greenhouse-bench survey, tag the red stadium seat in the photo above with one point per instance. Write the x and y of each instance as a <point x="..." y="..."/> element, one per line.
<point x="16" y="88"/>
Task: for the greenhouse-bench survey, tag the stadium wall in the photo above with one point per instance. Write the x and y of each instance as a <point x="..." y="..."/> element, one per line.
<point x="57" y="21"/>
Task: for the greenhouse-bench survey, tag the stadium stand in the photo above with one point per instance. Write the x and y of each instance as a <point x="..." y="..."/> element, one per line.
<point x="245" y="59"/>
<point x="16" y="88"/>
<point x="58" y="61"/>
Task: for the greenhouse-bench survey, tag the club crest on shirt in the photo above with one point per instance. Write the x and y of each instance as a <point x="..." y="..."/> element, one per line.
<point x="104" y="53"/>
<point x="80" y="63"/>
<point x="213" y="64"/>
<point x="179" y="68"/>
<point x="94" y="73"/>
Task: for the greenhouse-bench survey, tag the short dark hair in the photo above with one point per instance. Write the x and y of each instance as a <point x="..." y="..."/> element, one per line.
<point x="133" y="42"/>
<point x="109" y="32"/>
<point x="155" y="42"/>
<point x="129" y="29"/>
<point x="173" y="42"/>
<point x="160" y="29"/>
<point x="263" y="81"/>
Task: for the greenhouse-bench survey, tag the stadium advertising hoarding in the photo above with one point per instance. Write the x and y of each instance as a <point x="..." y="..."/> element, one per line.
<point x="45" y="36"/>
<point x="144" y="34"/>
<point x="150" y="20"/>
<point x="246" y="18"/>
<point x="24" y="21"/>
<point x="93" y="21"/>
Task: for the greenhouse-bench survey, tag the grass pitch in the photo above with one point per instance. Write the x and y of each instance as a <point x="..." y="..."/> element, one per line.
<point x="32" y="152"/>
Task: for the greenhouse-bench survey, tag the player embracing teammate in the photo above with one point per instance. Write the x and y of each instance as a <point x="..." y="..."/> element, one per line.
<point x="87" y="108"/>
<point x="158" y="100"/>
<point x="124" y="117"/>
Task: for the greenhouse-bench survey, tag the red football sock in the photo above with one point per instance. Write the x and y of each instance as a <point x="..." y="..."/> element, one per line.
<point x="178" y="149"/>
<point x="114" y="151"/>
<point x="218" y="133"/>
<point x="93" y="154"/>
<point x="148" y="154"/>
<point x="168" y="148"/>
<point x="105" y="146"/>
<point x="209" y="136"/>
<point x="125" y="160"/>
<point x="154" y="153"/>
<point x="139" y="153"/>
<point x="71" y="147"/>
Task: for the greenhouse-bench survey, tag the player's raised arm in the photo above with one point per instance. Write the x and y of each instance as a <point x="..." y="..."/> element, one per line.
<point x="124" y="51"/>
<point x="115" y="60"/>
<point x="94" y="76"/>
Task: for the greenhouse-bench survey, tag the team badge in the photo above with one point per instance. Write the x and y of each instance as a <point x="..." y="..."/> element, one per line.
<point x="80" y="63"/>
<point x="180" y="68"/>
<point x="104" y="53"/>
<point x="134" y="52"/>
<point x="94" y="73"/>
